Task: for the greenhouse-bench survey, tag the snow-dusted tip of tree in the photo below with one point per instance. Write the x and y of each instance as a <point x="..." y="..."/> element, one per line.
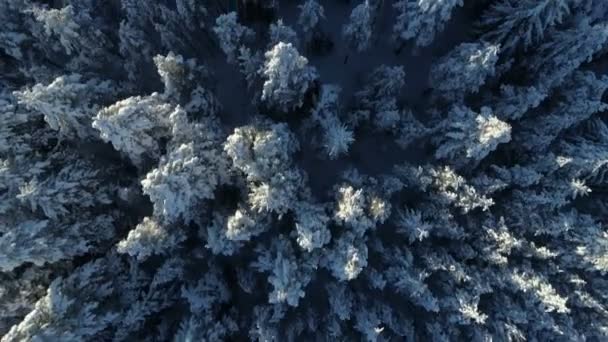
<point x="346" y="258"/>
<point x="411" y="224"/>
<point x="218" y="240"/>
<point x="360" y="210"/>
<point x="464" y="70"/>
<point x="550" y="300"/>
<point x="149" y="238"/>
<point x="231" y="34"/>
<point x="279" y="32"/>
<point x="455" y="190"/>
<point x="470" y="135"/>
<point x="277" y="194"/>
<point x="338" y="139"/>
<point x="358" y="30"/>
<point x="241" y="226"/>
<point x="288" y="77"/>
<point x="175" y="72"/>
<point x="172" y="71"/>
<point x="422" y="20"/>
<point x="351" y="209"/>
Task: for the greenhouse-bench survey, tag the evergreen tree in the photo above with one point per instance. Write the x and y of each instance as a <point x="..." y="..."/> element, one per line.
<point x="514" y="24"/>
<point x="358" y="31"/>
<point x="464" y="70"/>
<point x="68" y="103"/>
<point x="231" y="34"/>
<point x="136" y="126"/>
<point x="582" y="97"/>
<point x="287" y="77"/>
<point x="311" y="14"/>
<point x="468" y="135"/>
<point x="422" y="20"/>
<point x="337" y="137"/>
<point x="565" y="51"/>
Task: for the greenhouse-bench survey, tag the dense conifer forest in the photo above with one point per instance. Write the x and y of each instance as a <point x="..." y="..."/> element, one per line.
<point x="303" y="170"/>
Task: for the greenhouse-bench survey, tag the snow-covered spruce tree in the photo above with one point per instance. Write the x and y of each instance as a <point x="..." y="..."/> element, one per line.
<point x="378" y="99"/>
<point x="189" y="173"/>
<point x="50" y="215"/>
<point x="264" y="156"/>
<point x="360" y="207"/>
<point x="55" y="205"/>
<point x="231" y="34"/>
<point x="193" y="161"/>
<point x="580" y="98"/>
<point x="59" y="22"/>
<point x="73" y="31"/>
<point x="515" y="101"/>
<point x="464" y="70"/>
<point x="206" y="320"/>
<point x="288" y="273"/>
<point x="72" y="308"/>
<point x="188" y="84"/>
<point x="584" y="155"/>
<point x="136" y="126"/>
<point x="68" y="103"/>
<point x="467" y="135"/>
<point x="21" y="290"/>
<point x="515" y="24"/>
<point x="422" y="20"/>
<point x="250" y="64"/>
<point x="311" y="14"/>
<point x="565" y="51"/>
<point x="181" y="28"/>
<point x="337" y="137"/>
<point x="272" y="186"/>
<point x="178" y="75"/>
<point x="358" y="31"/>
<point x="377" y="104"/>
<point x="140" y="126"/>
<point x="287" y="77"/>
